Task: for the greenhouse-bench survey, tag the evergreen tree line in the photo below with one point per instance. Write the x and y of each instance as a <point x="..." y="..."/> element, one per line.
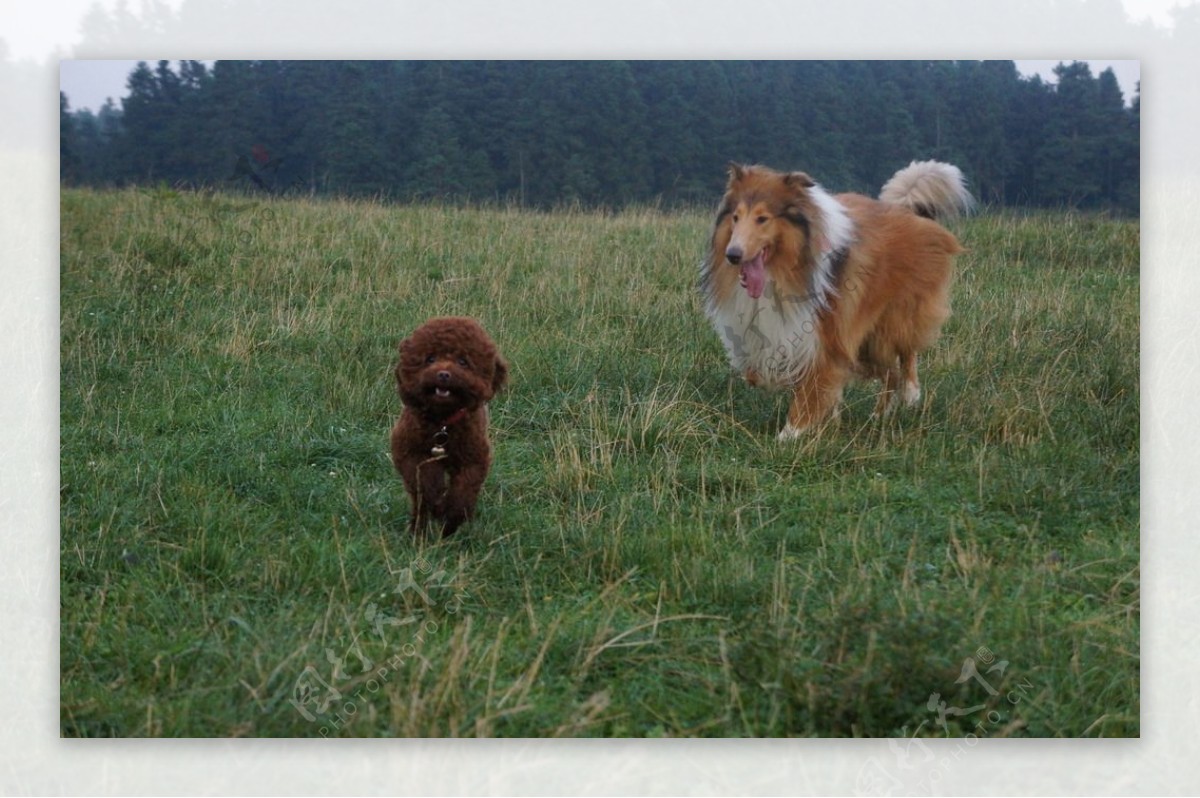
<point x="541" y="133"/>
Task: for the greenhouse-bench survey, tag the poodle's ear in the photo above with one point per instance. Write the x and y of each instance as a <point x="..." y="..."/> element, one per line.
<point x="404" y="395"/>
<point x="398" y="372"/>
<point x="499" y="375"/>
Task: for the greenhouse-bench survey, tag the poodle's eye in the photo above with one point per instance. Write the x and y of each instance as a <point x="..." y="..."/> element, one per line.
<point x="462" y="361"/>
<point x="430" y="359"/>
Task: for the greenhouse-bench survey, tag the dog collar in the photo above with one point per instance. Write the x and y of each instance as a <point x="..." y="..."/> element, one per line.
<point x="455" y="417"/>
<point x="441" y="436"/>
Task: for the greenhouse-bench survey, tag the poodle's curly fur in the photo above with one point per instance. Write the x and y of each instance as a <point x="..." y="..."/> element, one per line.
<point x="448" y="371"/>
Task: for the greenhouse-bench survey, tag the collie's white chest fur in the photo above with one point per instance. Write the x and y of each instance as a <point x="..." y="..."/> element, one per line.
<point x="775" y="335"/>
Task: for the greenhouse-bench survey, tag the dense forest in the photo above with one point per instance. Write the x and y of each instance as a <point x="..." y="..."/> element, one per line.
<point x="541" y="133"/>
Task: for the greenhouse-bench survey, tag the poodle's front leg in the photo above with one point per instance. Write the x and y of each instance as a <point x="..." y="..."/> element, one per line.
<point x="425" y="479"/>
<point x="461" y="496"/>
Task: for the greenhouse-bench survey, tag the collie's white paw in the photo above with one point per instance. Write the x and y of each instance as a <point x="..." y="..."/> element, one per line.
<point x="789" y="433"/>
<point x="910" y="393"/>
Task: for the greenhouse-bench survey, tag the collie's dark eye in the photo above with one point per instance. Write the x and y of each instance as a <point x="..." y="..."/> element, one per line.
<point x="761" y="220"/>
<point x="735" y="218"/>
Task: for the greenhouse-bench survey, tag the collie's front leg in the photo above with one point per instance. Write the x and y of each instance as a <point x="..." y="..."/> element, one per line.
<point x="814" y="399"/>
<point x="911" y="392"/>
<point x="899" y="384"/>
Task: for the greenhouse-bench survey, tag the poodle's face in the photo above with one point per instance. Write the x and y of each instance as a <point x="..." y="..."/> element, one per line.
<point x="448" y="364"/>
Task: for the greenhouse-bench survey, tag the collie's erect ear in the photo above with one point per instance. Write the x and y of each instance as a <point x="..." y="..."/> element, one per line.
<point x="798" y="181"/>
<point x="736" y="172"/>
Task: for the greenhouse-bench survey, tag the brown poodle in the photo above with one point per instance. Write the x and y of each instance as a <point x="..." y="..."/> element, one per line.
<point x="449" y="369"/>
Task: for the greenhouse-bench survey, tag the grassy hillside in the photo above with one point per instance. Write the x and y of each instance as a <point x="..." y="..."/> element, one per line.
<point x="647" y="560"/>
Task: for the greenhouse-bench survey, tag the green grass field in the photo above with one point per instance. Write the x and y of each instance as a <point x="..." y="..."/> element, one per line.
<point x="647" y="559"/>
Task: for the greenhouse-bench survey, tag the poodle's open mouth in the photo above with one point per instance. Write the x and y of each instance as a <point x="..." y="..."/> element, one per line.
<point x="443" y="393"/>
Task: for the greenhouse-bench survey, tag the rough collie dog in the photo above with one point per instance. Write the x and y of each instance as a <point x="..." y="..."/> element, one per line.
<point x="807" y="289"/>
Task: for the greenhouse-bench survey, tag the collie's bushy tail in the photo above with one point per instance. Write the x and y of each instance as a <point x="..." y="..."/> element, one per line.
<point x="931" y="189"/>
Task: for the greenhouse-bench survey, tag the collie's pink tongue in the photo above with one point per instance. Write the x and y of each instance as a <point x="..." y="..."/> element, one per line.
<point x="754" y="274"/>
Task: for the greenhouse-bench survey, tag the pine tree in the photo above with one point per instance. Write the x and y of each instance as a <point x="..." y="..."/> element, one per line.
<point x="1067" y="162"/>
